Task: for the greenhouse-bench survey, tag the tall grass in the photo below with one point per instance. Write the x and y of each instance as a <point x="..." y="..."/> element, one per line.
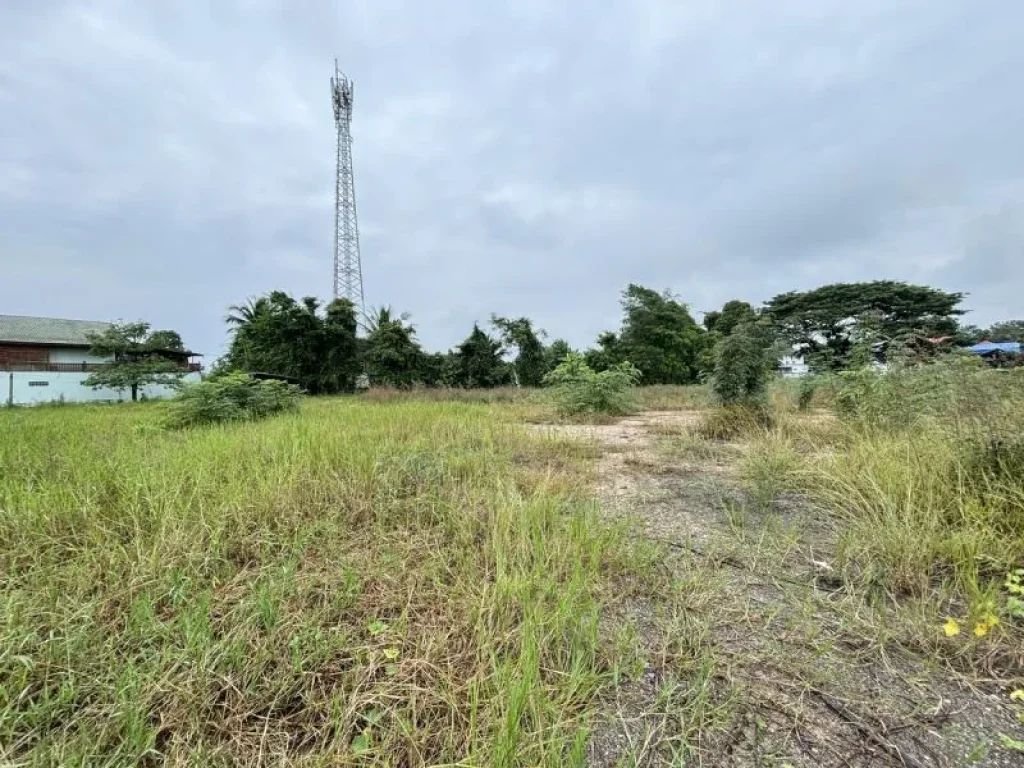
<point x="915" y="512"/>
<point x="350" y="585"/>
<point x="670" y="397"/>
<point x="450" y="394"/>
<point x="925" y="471"/>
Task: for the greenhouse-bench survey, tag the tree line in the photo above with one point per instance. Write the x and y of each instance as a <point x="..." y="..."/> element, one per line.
<point x="320" y="347"/>
<point x="833" y="327"/>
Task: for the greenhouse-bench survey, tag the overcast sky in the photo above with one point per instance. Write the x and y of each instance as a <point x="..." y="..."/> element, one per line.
<point x="164" y="160"/>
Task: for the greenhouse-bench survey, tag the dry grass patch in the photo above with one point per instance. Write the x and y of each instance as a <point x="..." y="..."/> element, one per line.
<point x="666" y="397"/>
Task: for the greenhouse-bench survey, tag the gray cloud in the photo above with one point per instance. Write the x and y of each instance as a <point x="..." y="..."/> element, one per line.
<point x="163" y="161"/>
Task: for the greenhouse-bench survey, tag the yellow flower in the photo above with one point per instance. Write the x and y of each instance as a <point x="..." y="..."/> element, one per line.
<point x="951" y="627"/>
<point x="980" y="629"/>
<point x="1017" y="695"/>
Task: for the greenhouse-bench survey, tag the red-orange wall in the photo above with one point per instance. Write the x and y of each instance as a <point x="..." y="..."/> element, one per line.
<point x="18" y="353"/>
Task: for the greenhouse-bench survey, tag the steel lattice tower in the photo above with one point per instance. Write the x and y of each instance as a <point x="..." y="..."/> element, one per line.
<point x="348" y="268"/>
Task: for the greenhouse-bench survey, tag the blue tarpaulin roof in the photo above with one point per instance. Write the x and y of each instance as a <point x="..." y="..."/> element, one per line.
<point x="987" y="347"/>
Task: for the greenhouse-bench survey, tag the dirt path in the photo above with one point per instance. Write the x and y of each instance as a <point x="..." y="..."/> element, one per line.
<point x="757" y="655"/>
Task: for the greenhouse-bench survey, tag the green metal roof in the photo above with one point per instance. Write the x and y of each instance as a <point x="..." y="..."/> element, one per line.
<point x="48" y="330"/>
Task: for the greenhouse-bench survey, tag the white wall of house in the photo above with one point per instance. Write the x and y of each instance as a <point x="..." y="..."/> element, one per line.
<point x="75" y="355"/>
<point x="793" y="366"/>
<point x="32" y="388"/>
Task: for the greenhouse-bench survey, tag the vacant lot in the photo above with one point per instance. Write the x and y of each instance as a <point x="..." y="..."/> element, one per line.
<point x="405" y="580"/>
<point x="409" y="583"/>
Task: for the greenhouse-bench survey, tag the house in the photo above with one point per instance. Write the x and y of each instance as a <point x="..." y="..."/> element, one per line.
<point x="986" y="348"/>
<point x="45" y="359"/>
<point x="793" y="366"/>
<point x="1000" y="354"/>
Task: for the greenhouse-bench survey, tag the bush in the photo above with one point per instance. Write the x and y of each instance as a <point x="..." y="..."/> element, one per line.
<point x="742" y="365"/>
<point x="805" y="395"/>
<point x="231" y="397"/>
<point x="577" y="389"/>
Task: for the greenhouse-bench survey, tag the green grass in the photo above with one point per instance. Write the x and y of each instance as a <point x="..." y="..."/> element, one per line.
<point x="351" y="585"/>
<point x="914" y="511"/>
<point x="922" y="475"/>
<point x="668" y="397"/>
<point x="732" y="422"/>
<point x="769" y="467"/>
<point x="409" y="579"/>
<point x="449" y="394"/>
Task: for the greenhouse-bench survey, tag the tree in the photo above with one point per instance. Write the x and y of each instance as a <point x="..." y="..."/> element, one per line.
<point x="138" y="358"/>
<point x="277" y="334"/>
<point x="743" y="361"/>
<point x="392" y="355"/>
<point x="659" y="336"/>
<point x="826" y="322"/>
<point x="555" y="354"/>
<point x="607" y="354"/>
<point x="166" y="340"/>
<point x="382" y="316"/>
<point x="339" y="348"/>
<point x="967" y="335"/>
<point x="478" y="361"/>
<point x="1007" y="330"/>
<point x="530" y="363"/>
<point x="732" y="314"/>
<point x="439" y="369"/>
<point x="720" y="324"/>
<point x="244" y="314"/>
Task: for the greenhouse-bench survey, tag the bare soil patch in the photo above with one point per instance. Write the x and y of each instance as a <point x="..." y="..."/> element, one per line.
<point x="759" y="656"/>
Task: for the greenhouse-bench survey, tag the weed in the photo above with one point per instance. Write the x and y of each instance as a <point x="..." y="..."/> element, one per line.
<point x="768" y="468"/>
<point x="737" y="514"/>
<point x="681" y="443"/>
<point x="388" y="395"/>
<point x="387" y="586"/>
<point x="729" y="422"/>
<point x="939" y="503"/>
<point x="1015" y="598"/>
<point x="666" y="397"/>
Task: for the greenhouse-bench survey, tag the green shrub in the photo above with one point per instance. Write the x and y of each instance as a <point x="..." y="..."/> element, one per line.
<point x="805" y="395"/>
<point x="231" y="397"/>
<point x="577" y="389"/>
<point x="742" y="365"/>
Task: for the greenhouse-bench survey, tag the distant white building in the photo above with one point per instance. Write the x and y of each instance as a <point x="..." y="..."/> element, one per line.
<point x="793" y="366"/>
<point x="44" y="359"/>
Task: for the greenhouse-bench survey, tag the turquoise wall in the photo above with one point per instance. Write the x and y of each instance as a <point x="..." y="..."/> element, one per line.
<point x="18" y="387"/>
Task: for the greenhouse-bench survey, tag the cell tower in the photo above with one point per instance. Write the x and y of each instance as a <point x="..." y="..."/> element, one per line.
<point x="348" y="268"/>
